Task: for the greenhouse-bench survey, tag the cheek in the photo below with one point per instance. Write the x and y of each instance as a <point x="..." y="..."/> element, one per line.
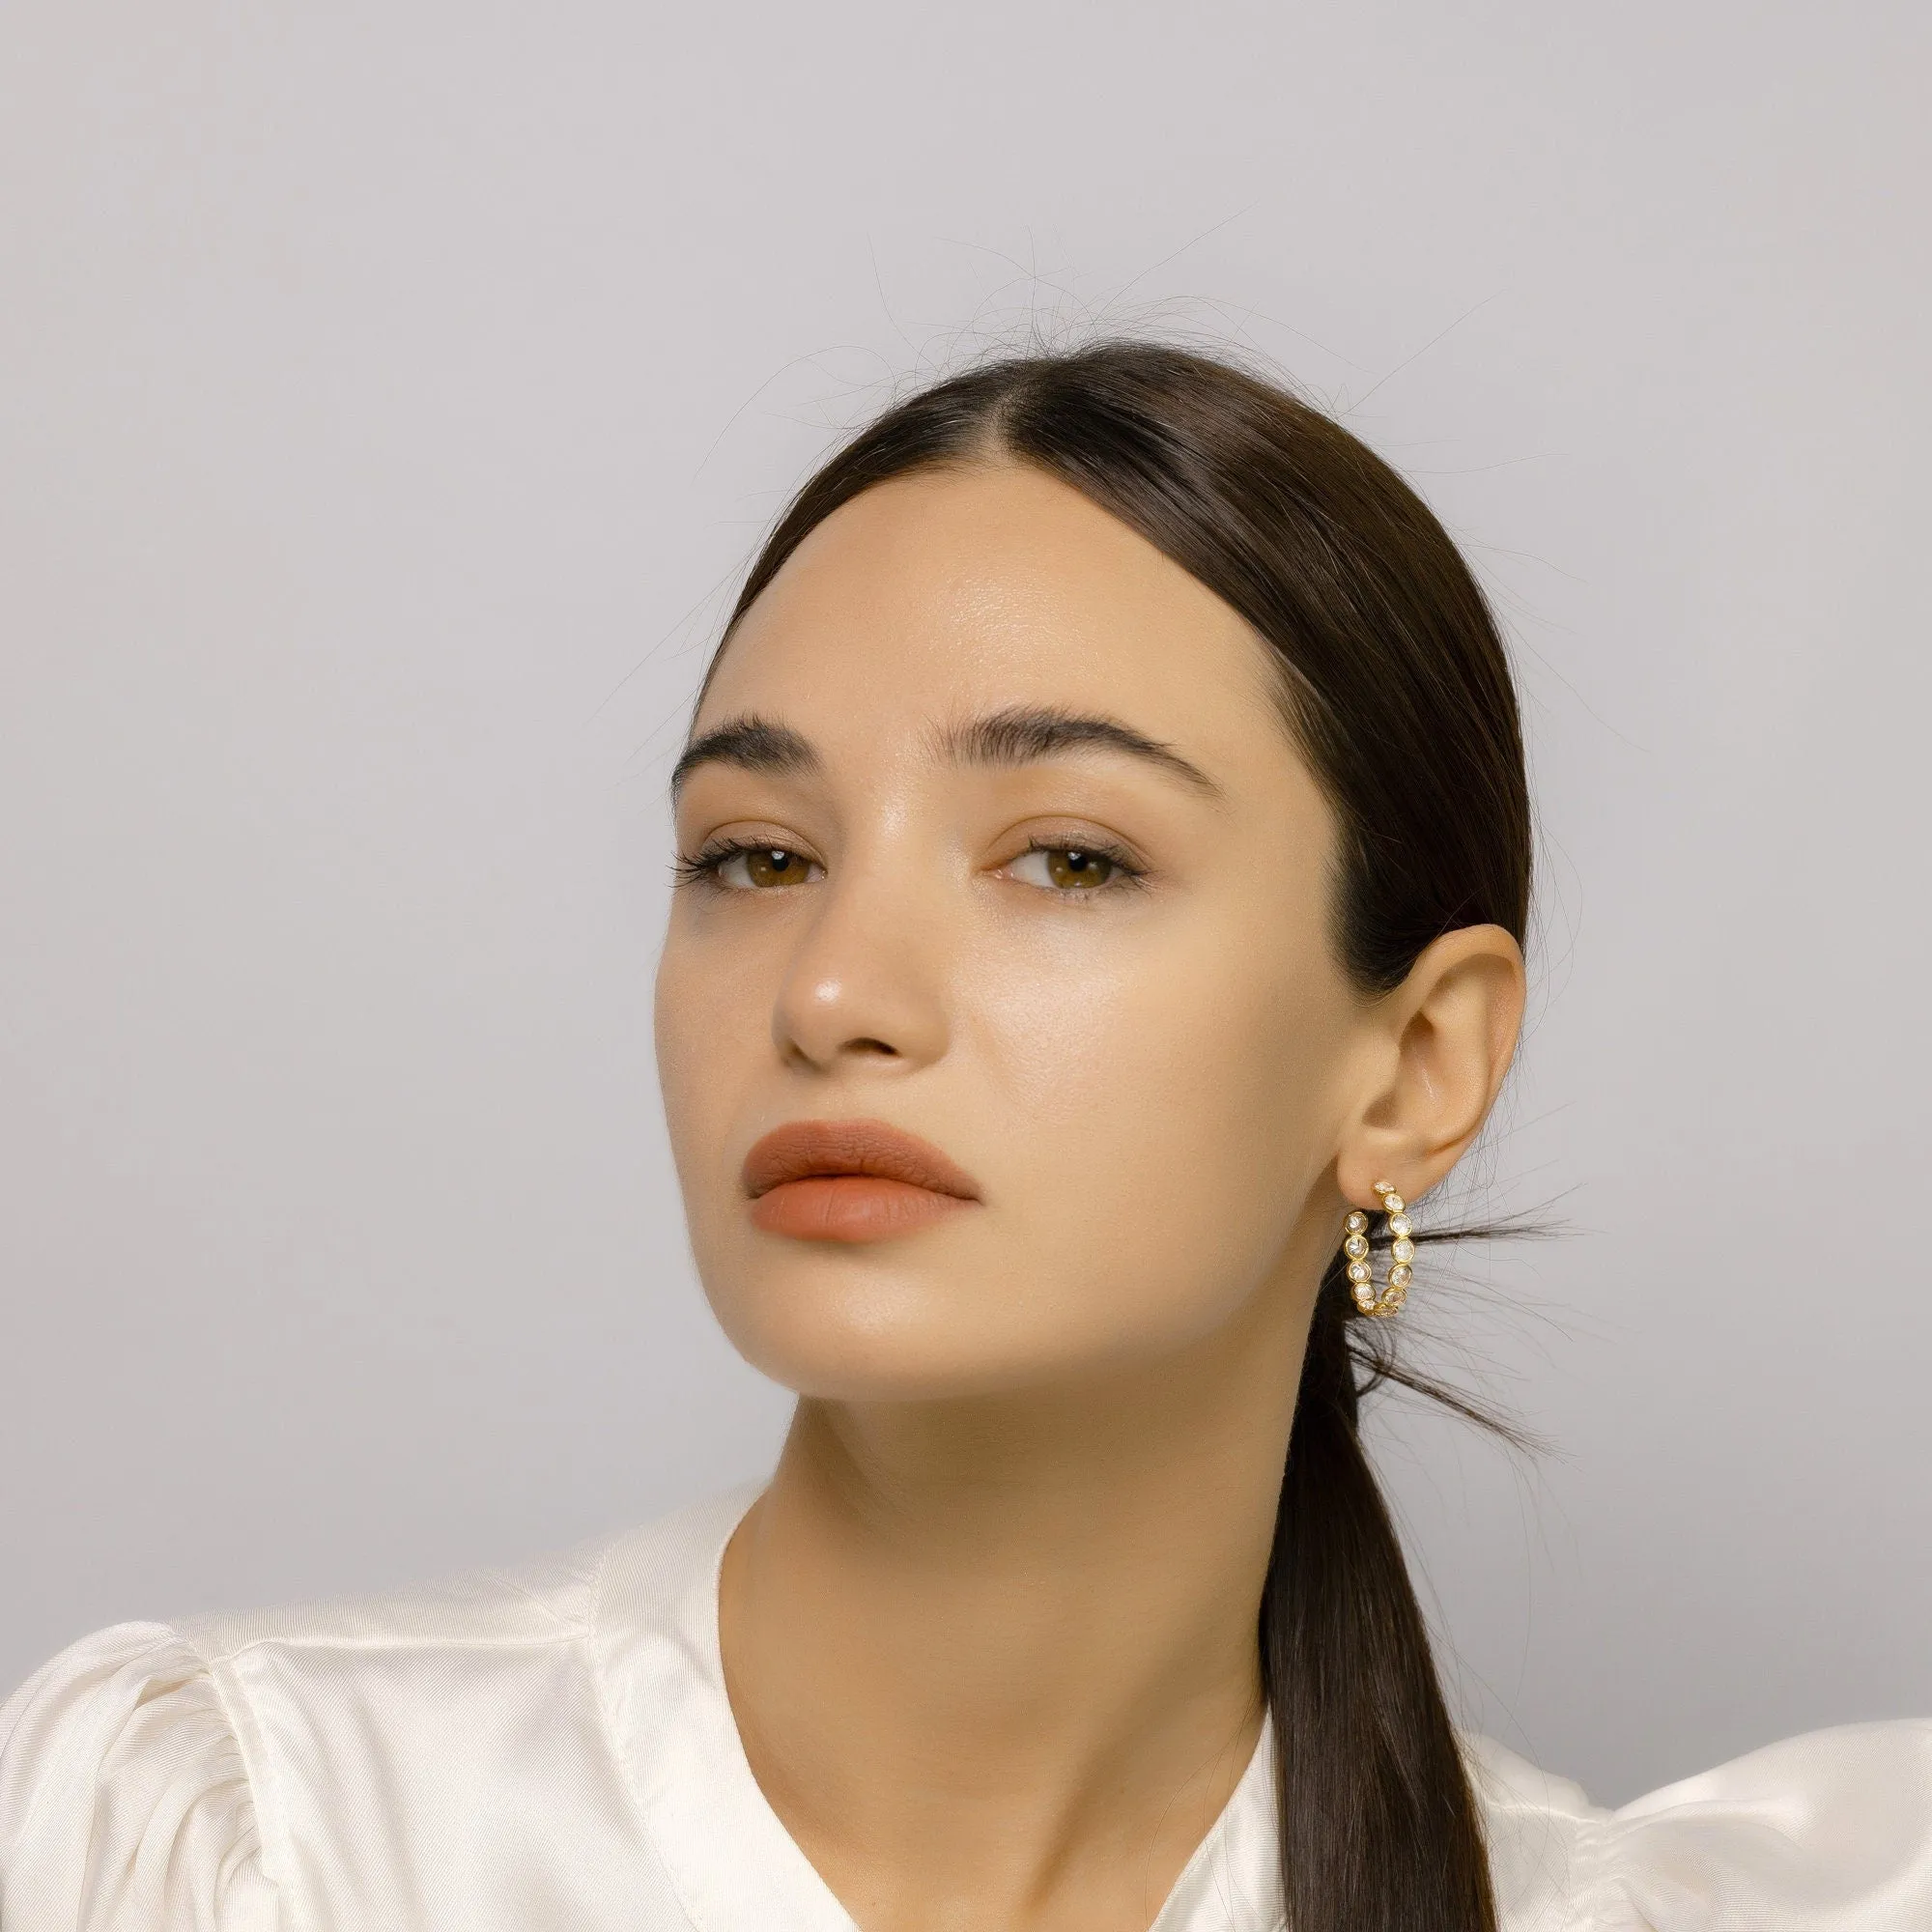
<point x="705" y="1025"/>
<point x="1169" y="1116"/>
<point x="674" y="1026"/>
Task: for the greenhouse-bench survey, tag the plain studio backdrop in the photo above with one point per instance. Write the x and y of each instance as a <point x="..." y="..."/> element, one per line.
<point x="390" y="395"/>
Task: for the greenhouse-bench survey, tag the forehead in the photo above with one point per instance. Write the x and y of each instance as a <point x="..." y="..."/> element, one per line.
<point x="958" y="592"/>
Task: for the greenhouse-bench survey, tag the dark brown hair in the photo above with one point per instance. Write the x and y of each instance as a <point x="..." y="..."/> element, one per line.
<point x="1394" y="682"/>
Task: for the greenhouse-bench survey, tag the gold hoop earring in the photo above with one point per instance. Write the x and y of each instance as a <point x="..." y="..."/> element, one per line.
<point x="1394" y="1292"/>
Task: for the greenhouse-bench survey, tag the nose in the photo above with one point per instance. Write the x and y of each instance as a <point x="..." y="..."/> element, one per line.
<point x="866" y="980"/>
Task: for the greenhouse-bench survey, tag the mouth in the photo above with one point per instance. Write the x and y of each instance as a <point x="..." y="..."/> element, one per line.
<point x="851" y="1180"/>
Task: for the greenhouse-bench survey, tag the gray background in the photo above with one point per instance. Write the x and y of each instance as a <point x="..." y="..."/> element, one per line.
<point x="388" y="395"/>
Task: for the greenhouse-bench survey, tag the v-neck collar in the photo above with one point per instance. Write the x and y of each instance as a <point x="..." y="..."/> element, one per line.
<point x="732" y="1862"/>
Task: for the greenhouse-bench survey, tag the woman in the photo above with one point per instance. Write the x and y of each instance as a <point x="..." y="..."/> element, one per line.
<point x="1103" y="868"/>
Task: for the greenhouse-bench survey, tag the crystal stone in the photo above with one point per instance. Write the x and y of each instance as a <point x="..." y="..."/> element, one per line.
<point x="1357" y="1248"/>
<point x="1399" y="1276"/>
<point x="1358" y="1271"/>
<point x="1402" y="1251"/>
<point x="1398" y="1226"/>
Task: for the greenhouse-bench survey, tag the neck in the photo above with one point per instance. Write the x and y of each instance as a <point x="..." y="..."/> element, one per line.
<point x="994" y="1660"/>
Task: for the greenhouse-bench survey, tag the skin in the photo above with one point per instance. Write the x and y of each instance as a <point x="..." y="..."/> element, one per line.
<point x="989" y="1634"/>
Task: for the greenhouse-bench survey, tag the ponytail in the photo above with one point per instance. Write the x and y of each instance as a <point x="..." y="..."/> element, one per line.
<point x="1379" y="1830"/>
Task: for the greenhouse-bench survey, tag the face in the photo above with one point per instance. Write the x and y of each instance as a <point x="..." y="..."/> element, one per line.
<point x="1002" y="846"/>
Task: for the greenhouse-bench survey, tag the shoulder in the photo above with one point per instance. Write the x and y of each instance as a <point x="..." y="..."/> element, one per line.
<point x="556" y="1599"/>
<point x="545" y="1600"/>
<point x="1830" y="1832"/>
<point x="175" y="1773"/>
<point x="124" y="1796"/>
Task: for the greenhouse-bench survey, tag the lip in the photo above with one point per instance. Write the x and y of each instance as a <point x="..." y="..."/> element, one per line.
<point x="851" y="1180"/>
<point x="815" y="1150"/>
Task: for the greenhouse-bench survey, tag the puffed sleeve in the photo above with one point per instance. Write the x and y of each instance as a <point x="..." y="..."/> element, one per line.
<point x="125" y="1803"/>
<point x="1827" y="1832"/>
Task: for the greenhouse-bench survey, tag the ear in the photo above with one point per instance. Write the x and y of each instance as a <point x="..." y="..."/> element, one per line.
<point x="1441" y="1043"/>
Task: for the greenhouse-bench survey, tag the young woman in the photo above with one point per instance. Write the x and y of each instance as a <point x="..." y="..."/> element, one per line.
<point x="1104" y="860"/>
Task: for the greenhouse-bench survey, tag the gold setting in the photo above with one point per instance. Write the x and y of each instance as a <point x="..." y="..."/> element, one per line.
<point x="1369" y="1298"/>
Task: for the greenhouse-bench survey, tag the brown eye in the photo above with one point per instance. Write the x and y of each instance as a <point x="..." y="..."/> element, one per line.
<point x="763" y="865"/>
<point x="1065" y="867"/>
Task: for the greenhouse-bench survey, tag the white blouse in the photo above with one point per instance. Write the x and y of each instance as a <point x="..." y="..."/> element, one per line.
<point x="552" y="1747"/>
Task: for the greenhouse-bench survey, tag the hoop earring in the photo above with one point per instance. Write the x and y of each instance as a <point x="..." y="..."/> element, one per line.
<point x="1394" y="1292"/>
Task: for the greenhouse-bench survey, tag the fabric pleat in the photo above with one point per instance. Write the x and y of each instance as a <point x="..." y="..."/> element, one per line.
<point x="125" y="1803"/>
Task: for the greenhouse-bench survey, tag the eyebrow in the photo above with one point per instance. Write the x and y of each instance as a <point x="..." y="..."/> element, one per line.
<point x="1020" y="735"/>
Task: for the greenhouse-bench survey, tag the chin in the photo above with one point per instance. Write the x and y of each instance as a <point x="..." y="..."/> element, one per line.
<point x="836" y="1332"/>
<point x="869" y="1345"/>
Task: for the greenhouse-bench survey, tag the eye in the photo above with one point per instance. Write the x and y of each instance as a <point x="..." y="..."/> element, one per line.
<point x="736" y="866"/>
<point x="1074" y="871"/>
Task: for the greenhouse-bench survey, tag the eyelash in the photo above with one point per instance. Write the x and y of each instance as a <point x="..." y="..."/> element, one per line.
<point x="703" y="869"/>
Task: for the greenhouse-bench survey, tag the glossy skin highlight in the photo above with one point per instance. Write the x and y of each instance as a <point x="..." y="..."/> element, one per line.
<point x="989" y="1635"/>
